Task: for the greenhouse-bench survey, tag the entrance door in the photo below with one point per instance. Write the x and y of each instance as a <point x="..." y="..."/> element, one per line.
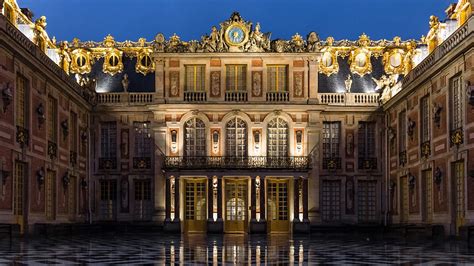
<point x="195" y="205"/>
<point x="458" y="192"/>
<point x="236" y="206"/>
<point x="427" y="210"/>
<point x="72" y="196"/>
<point x="143" y="205"/>
<point x="19" y="195"/>
<point x="331" y="201"/>
<point x="277" y="198"/>
<point x="108" y="199"/>
<point x="50" y="194"/>
<point x="404" y="199"/>
<point x="367" y="201"/>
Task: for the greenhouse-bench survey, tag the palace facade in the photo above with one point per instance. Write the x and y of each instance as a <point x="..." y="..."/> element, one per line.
<point x="237" y="132"/>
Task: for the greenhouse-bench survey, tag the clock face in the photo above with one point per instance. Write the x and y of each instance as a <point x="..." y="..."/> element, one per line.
<point x="236" y="35"/>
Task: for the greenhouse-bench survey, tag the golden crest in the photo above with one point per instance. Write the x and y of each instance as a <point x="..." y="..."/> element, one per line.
<point x="80" y="61"/>
<point x="145" y="63"/>
<point x="328" y="64"/>
<point x="394" y="62"/>
<point x="113" y="62"/>
<point x="236" y="34"/>
<point x="360" y="61"/>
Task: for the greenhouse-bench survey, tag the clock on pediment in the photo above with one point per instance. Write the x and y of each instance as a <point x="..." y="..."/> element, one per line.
<point x="236" y="34"/>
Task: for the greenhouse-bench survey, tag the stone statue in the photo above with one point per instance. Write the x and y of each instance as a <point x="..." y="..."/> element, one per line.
<point x="88" y="85"/>
<point x="258" y="41"/>
<point x="41" y="36"/>
<point x="159" y="42"/>
<point x="348" y="83"/>
<point x="125" y="83"/>
<point x="297" y="43"/>
<point x="312" y="42"/>
<point x="408" y="59"/>
<point x="65" y="59"/>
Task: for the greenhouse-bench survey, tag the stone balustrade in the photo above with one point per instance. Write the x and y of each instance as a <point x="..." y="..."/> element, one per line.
<point x="128" y="98"/>
<point x="353" y="99"/>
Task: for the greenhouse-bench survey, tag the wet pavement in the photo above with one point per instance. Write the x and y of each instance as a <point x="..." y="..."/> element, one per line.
<point x="159" y="249"/>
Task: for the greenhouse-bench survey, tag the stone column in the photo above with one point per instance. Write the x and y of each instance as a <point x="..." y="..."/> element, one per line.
<point x="296" y="199"/>
<point x="168" y="199"/>
<point x="176" y="199"/>
<point x="159" y="80"/>
<point x="262" y="200"/>
<point x="210" y="200"/>
<point x="313" y="80"/>
<point x="219" y="198"/>
<point x="305" y="200"/>
<point x="253" y="195"/>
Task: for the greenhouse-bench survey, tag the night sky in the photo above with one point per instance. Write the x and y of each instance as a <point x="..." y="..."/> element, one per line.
<point x="132" y="19"/>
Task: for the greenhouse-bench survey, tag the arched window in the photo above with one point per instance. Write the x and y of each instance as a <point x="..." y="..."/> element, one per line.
<point x="277" y="138"/>
<point x="194" y="137"/>
<point x="236" y="138"/>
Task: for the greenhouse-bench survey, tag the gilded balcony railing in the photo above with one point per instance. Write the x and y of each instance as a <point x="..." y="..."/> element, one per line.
<point x="227" y="162"/>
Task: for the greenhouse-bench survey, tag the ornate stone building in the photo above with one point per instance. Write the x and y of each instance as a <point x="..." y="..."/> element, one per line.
<point x="236" y="132"/>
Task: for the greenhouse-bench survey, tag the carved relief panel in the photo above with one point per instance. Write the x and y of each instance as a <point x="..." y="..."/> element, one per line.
<point x="215" y="83"/>
<point x="174" y="83"/>
<point x="257" y="83"/>
<point x="298" y="84"/>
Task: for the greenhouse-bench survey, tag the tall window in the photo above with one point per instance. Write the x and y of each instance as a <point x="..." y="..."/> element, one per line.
<point x="143" y="145"/>
<point x="456" y="103"/>
<point x="108" y="140"/>
<point x="366" y="140"/>
<point x="277" y="78"/>
<point x="21" y="102"/>
<point x="195" y="138"/>
<point x="236" y="138"/>
<point x="331" y="139"/>
<point x="74" y="134"/>
<point x="277" y="140"/>
<point x="195" y="78"/>
<point x="402" y="131"/>
<point x="52" y="119"/>
<point x="236" y="78"/>
<point x="425" y="119"/>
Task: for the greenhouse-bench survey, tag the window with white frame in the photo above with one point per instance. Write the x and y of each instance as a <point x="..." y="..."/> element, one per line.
<point x="456" y="100"/>
<point x="236" y="138"/>
<point x="236" y="78"/>
<point x="195" y="78"/>
<point x="194" y="137"/>
<point x="108" y="139"/>
<point x="331" y="139"/>
<point x="366" y="147"/>
<point x="143" y="144"/>
<point x="425" y="118"/>
<point x="277" y="139"/>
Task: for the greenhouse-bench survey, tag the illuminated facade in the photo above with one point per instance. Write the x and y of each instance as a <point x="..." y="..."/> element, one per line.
<point x="237" y="132"/>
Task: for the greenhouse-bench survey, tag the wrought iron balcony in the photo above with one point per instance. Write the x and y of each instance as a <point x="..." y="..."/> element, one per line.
<point x="22" y="136"/>
<point x="402" y="158"/>
<point x="368" y="163"/>
<point x="141" y="163"/>
<point x="107" y="163"/>
<point x="250" y="162"/>
<point x="425" y="149"/>
<point x="457" y="136"/>
<point x="52" y="150"/>
<point x="332" y="163"/>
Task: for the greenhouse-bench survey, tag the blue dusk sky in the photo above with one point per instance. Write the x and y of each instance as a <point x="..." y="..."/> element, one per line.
<point x="132" y="19"/>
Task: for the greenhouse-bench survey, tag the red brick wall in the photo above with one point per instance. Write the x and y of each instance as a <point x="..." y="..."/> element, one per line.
<point x="440" y="192"/>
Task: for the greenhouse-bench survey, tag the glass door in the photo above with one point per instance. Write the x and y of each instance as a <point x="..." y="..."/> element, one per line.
<point x="331" y="201"/>
<point x="108" y="199"/>
<point x="19" y="195"/>
<point x="458" y="174"/>
<point x="236" y="206"/>
<point x="195" y="205"/>
<point x="277" y="199"/>
<point x="404" y="198"/>
<point x="427" y="213"/>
